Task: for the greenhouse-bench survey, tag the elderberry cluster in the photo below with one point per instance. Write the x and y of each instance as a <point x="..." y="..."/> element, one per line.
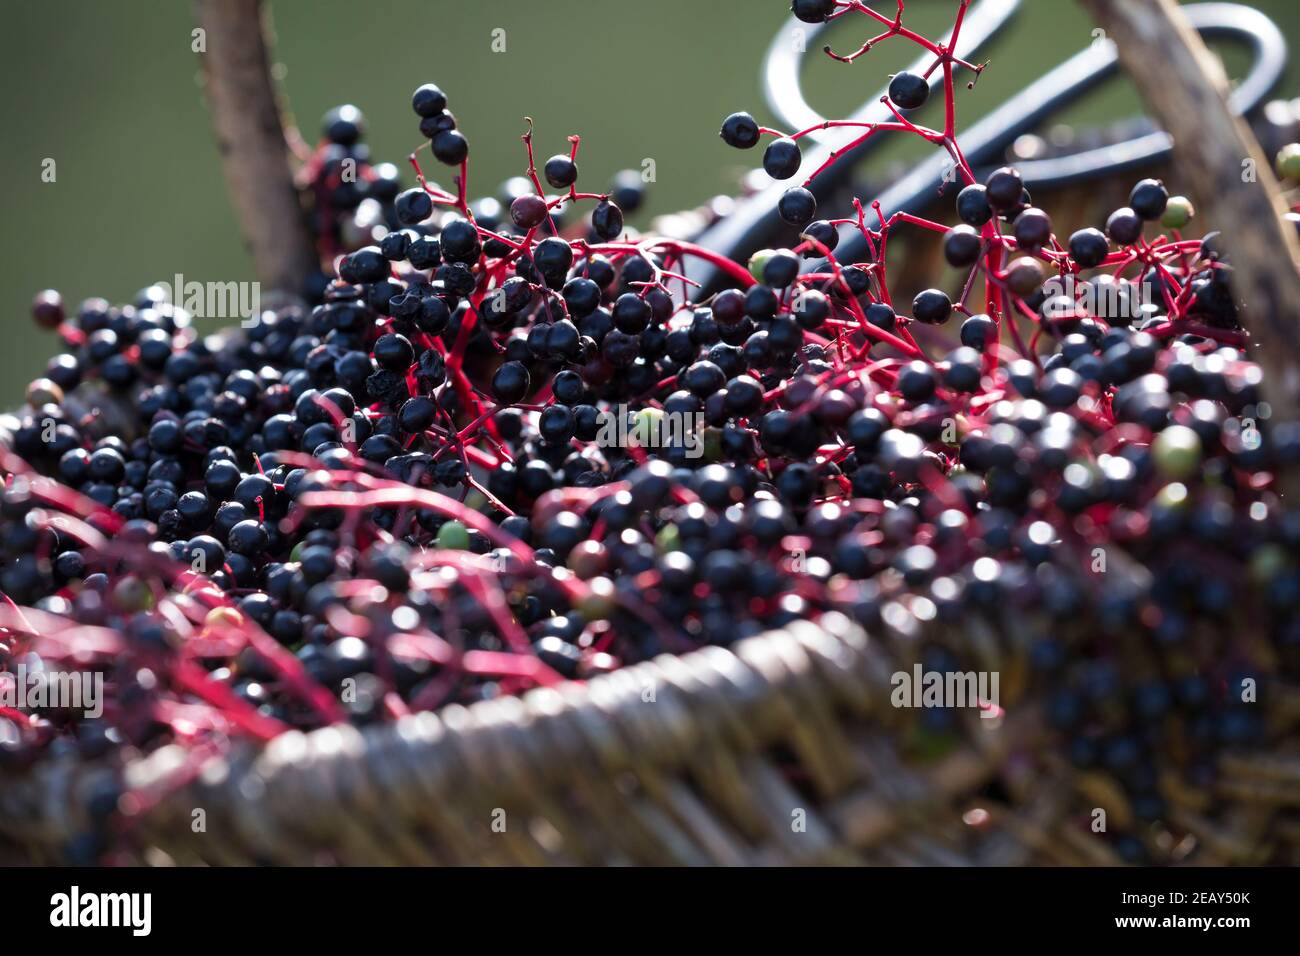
<point x="401" y="492"/>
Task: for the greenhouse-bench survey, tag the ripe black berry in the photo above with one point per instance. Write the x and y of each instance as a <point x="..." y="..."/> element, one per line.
<point x="963" y="370"/>
<point x="553" y="257"/>
<point x="1149" y="199"/>
<point x="1124" y="226"/>
<point x="916" y="381"/>
<point x="780" y="269"/>
<point x="627" y="189"/>
<point x="781" y="159"/>
<point x="561" y="172"/>
<point x="812" y="309"/>
<point x="166" y="436"/>
<point x="413" y="206"/>
<point x="248" y="538"/>
<point x="433" y="316"/>
<point x="962" y="246"/>
<point x="1088" y="247"/>
<point x="47" y="309"/>
<point x="703" y="378"/>
<point x="761" y="302"/>
<point x="881" y="316"/>
<point x="856" y="278"/>
<point x="740" y="130"/>
<point x="431" y="126"/>
<point x="459" y="241"/>
<point x="631" y="313"/>
<point x="978" y="331"/>
<point x="932" y="307"/>
<point x="394" y="351"/>
<point x="343" y="125"/>
<point x="396" y="244"/>
<point x="812" y="11"/>
<point x="973" y="205"/>
<point x="909" y="91"/>
<point x="563" y="341"/>
<point x="582" y="296"/>
<point x="450" y="147"/>
<point x="1024" y="276"/>
<point x="1033" y="229"/>
<point x="428" y="100"/>
<point x="424" y="252"/>
<point x="509" y="384"/>
<point x="824" y="234"/>
<point x="556" y="424"/>
<point x="607" y="220"/>
<point x="1003" y="189"/>
<point x="797" y="206"/>
<point x="107" y="465"/>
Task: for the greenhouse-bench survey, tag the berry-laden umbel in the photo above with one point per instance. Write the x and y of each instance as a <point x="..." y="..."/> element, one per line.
<point x="502" y="445"/>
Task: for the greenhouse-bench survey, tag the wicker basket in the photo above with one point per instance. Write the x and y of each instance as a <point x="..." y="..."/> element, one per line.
<point x="784" y="749"/>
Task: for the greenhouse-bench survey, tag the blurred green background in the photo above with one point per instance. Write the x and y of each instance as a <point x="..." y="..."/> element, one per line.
<point x="110" y="92"/>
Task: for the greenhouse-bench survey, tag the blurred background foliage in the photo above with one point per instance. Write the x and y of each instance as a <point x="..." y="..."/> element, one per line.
<point x="110" y="91"/>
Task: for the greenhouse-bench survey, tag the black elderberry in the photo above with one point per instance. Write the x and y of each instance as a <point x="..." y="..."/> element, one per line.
<point x="797" y="206"/>
<point x="582" y="296"/>
<point x="248" y="537"/>
<point x="431" y="126"/>
<point x="812" y="308"/>
<point x="703" y="378"/>
<point x="916" y="381"/>
<point x="1149" y="199"/>
<point x="556" y="424"/>
<point x="812" y="11"/>
<point x="909" y="91"/>
<point x="631" y="313"/>
<point x="1004" y="189"/>
<point x="781" y="159"/>
<point x="881" y="316"/>
<point x="973" y="205"/>
<point x="561" y="172"/>
<point x="563" y="340"/>
<point x="607" y="220"/>
<point x="1032" y="229"/>
<point x="1088" y="247"/>
<point x="1124" y="226"/>
<point x="780" y="269"/>
<point x="962" y="373"/>
<point x="740" y="130"/>
<point x="394" y="352"/>
<point x="450" y="147"/>
<point x="509" y="384"/>
<point x="553" y="257"/>
<point x="824" y="238"/>
<point x="412" y="206"/>
<point x="343" y="125"/>
<point x="428" y="100"/>
<point x="931" y="307"/>
<point x="962" y="246"/>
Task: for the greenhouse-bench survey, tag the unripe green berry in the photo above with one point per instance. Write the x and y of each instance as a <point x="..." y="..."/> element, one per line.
<point x="453" y="536"/>
<point x="1177" y="452"/>
<point x="758" y="261"/>
<point x="1178" y="213"/>
<point x="1288" y="162"/>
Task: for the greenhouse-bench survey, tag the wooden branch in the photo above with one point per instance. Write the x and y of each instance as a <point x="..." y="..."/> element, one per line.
<point x="251" y="140"/>
<point x="1184" y="85"/>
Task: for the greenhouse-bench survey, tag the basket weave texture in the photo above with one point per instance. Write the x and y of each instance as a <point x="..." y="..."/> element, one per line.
<point x="784" y="749"/>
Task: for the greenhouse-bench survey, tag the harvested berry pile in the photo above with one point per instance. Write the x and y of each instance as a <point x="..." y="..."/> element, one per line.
<point x="506" y="443"/>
